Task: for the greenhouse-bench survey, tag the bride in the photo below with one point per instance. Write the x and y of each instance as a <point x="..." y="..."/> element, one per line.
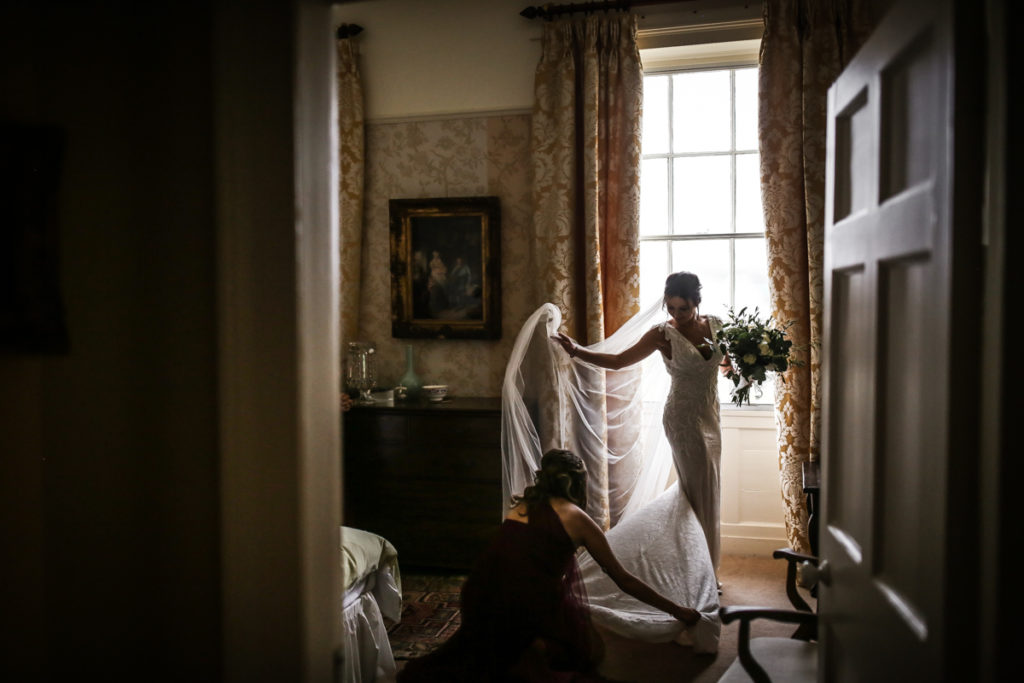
<point x="660" y="484"/>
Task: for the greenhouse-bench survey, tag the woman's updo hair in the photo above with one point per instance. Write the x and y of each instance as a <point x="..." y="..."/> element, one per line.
<point x="562" y="474"/>
<point x="684" y="285"/>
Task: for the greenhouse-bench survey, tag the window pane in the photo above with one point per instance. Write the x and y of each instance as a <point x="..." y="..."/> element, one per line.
<point x="752" y="276"/>
<point x="655" y="117"/>
<point x="767" y="391"/>
<point x="701" y="113"/>
<point x="654" y="197"/>
<point x="703" y="195"/>
<point x="654" y="269"/>
<point x="746" y="109"/>
<point x="725" y="390"/>
<point x="709" y="260"/>
<point x="749" y="215"/>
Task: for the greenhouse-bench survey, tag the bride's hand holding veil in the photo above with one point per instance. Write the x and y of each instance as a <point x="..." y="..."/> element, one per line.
<point x="648" y="344"/>
<point x="566" y="343"/>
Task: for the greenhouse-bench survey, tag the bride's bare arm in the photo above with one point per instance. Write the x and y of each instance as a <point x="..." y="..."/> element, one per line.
<point x="648" y="344"/>
<point x="582" y="527"/>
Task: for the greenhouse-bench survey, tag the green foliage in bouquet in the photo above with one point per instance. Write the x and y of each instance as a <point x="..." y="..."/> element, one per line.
<point x="755" y="347"/>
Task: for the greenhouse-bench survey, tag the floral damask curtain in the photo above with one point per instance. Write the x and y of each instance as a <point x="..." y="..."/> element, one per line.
<point x="586" y="164"/>
<point x="805" y="46"/>
<point x="585" y="148"/>
<point x="351" y="156"/>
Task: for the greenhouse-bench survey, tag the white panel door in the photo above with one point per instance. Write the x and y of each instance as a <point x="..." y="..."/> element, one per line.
<point x="896" y="320"/>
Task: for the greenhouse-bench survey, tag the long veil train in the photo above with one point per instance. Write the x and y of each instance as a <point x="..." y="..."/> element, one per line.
<point x="612" y="419"/>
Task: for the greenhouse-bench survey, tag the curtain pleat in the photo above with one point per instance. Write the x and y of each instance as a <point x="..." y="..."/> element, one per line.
<point x="805" y="45"/>
<point x="586" y="162"/>
<point x="351" y="157"/>
<point x="585" y="149"/>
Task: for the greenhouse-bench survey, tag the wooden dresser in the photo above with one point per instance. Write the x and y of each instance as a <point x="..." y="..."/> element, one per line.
<point x="426" y="476"/>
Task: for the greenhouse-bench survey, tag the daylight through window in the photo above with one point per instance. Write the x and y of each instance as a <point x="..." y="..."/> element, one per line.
<point x="700" y="189"/>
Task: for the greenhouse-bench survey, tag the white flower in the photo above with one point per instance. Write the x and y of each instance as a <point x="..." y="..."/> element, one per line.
<point x="763" y="348"/>
<point x="750" y="359"/>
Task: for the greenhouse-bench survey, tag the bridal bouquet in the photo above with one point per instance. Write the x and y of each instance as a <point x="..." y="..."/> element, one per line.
<point x="755" y="348"/>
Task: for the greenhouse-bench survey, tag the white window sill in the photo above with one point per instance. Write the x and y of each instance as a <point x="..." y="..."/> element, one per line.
<point x="748" y="417"/>
<point x="756" y="408"/>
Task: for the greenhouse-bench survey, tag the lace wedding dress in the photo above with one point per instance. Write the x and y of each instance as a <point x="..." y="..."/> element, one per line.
<point x="610" y="419"/>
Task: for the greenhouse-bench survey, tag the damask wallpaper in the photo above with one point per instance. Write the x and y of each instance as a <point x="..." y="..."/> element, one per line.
<point x="458" y="157"/>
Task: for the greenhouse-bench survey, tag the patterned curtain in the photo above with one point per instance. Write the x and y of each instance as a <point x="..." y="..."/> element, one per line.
<point x="585" y="151"/>
<point x="805" y="45"/>
<point x="352" y="158"/>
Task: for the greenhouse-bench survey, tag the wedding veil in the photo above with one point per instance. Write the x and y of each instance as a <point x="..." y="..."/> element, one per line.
<point x="610" y="418"/>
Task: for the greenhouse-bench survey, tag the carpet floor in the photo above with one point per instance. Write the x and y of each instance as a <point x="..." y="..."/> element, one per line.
<point x="430" y="615"/>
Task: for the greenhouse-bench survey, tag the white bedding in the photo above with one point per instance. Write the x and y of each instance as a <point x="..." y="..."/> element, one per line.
<point x="372" y="600"/>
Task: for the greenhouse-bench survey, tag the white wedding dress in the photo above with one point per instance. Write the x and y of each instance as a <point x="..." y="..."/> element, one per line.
<point x="610" y="419"/>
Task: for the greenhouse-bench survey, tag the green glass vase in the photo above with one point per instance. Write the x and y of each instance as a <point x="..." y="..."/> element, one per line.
<point x="410" y="380"/>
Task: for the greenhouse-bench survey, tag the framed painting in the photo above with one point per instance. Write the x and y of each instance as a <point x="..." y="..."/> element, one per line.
<point x="446" y="268"/>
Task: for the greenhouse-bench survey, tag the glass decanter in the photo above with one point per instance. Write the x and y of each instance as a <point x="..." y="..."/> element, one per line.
<point x="361" y="370"/>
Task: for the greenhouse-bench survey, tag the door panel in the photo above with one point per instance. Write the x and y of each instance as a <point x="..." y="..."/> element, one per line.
<point x="852" y="397"/>
<point x="854" y="141"/>
<point x="909" y="91"/>
<point x="888" y="497"/>
<point x="903" y="464"/>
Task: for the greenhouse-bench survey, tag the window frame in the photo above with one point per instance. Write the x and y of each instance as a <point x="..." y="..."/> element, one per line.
<point x="732" y="153"/>
<point x="690" y="60"/>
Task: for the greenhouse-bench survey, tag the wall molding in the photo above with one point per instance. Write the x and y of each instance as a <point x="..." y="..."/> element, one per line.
<point x="744" y="539"/>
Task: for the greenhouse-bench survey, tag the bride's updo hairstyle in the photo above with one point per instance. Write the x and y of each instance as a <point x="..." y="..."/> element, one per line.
<point x="684" y="285"/>
<point x="562" y="474"/>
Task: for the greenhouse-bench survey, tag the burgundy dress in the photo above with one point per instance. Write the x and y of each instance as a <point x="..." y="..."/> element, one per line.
<point x="524" y="591"/>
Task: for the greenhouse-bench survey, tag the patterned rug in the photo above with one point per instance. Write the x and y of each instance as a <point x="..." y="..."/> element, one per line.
<point x="430" y="614"/>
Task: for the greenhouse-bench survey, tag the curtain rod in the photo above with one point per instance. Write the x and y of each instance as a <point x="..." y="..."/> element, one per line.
<point x="349" y="30"/>
<point x="549" y="11"/>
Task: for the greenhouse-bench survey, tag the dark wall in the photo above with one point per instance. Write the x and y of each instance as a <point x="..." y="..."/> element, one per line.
<point x="109" y="451"/>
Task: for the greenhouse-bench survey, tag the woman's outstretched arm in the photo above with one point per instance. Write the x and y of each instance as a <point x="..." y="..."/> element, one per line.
<point x="582" y="527"/>
<point x="652" y="340"/>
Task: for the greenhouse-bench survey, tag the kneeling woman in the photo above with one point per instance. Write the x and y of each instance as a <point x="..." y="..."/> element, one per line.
<point x="524" y="611"/>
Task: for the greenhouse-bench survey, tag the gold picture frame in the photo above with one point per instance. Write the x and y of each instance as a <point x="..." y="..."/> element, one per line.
<point x="446" y="268"/>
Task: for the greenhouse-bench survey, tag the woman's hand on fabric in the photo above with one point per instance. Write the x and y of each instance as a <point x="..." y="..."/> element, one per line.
<point x="565" y="342"/>
<point x="580" y="526"/>
<point x="647" y="345"/>
<point x="686" y="615"/>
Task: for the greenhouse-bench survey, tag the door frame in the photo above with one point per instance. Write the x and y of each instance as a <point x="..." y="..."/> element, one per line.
<point x="279" y="378"/>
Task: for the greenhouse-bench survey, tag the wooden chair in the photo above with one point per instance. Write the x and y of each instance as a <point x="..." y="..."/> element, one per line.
<point x="766" y="659"/>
